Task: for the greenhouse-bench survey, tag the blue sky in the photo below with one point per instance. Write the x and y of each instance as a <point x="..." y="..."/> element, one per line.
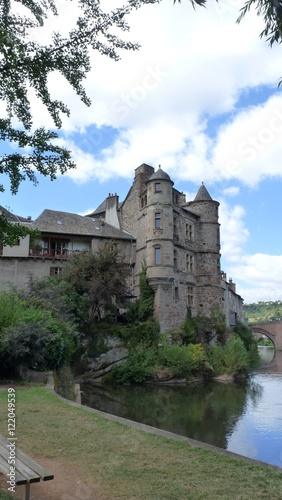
<point x="201" y="98"/>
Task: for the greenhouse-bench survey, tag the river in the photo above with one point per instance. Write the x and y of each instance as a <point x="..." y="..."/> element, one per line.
<point x="244" y="417"/>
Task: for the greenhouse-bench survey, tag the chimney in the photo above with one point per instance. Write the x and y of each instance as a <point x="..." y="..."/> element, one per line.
<point x="112" y="210"/>
<point x="232" y="285"/>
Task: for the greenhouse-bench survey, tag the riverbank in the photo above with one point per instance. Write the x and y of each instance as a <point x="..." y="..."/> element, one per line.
<point x="95" y="458"/>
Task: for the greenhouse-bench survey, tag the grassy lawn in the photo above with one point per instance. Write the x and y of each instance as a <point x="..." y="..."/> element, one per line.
<point x="127" y="463"/>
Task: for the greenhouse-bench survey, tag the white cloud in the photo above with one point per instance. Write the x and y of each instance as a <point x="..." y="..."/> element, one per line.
<point x="192" y="66"/>
<point x="248" y="148"/>
<point x="234" y="233"/>
<point x="260" y="277"/>
<point x="231" y="191"/>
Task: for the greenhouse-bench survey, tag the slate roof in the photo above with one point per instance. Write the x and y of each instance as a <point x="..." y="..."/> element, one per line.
<point x="12" y="217"/>
<point x="203" y="194"/>
<point x="53" y="221"/>
<point x="101" y="209"/>
<point x="160" y="174"/>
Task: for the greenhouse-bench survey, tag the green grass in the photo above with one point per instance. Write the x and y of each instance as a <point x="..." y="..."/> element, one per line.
<point x="129" y="464"/>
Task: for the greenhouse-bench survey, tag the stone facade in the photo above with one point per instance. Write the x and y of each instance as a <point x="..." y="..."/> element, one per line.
<point x="178" y="240"/>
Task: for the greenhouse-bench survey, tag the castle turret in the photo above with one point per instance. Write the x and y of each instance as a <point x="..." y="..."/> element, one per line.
<point x="207" y="258"/>
<point x="159" y="224"/>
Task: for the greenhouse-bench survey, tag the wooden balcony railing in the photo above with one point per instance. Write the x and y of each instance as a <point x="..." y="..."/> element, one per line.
<point x="53" y="254"/>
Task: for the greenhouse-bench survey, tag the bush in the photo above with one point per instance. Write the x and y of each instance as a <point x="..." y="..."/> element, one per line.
<point x="146" y="332"/>
<point x="11" y="309"/>
<point x="198" y="356"/>
<point x="40" y="342"/>
<point x="139" y="366"/>
<point x="177" y="358"/>
<point x="182" y="360"/>
<point x="244" y="332"/>
<point x="233" y="357"/>
<point x="215" y="358"/>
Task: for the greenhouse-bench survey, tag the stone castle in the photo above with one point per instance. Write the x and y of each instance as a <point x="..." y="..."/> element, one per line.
<point x="179" y="241"/>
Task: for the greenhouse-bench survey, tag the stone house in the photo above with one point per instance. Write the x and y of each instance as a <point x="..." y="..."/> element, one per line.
<point x="61" y="235"/>
<point x="178" y="240"/>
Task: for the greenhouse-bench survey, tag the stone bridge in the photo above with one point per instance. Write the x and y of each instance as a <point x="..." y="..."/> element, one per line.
<point x="272" y="330"/>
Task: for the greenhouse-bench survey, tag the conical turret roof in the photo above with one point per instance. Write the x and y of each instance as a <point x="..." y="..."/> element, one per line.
<point x="203" y="194"/>
<point x="160" y="174"/>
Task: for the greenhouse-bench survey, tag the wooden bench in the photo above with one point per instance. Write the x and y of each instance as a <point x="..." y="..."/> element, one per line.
<point x="27" y="471"/>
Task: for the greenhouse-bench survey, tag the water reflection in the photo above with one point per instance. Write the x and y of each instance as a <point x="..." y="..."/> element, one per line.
<point x="258" y="433"/>
<point x="267" y="354"/>
<point x="207" y="412"/>
<point x="245" y="418"/>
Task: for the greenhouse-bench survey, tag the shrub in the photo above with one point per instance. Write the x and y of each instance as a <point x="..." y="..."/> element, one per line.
<point x="244" y="332"/>
<point x="201" y="329"/>
<point x="11" y="309"/>
<point x="146" y="332"/>
<point x="177" y="358"/>
<point x="182" y="360"/>
<point x="198" y="356"/>
<point x="139" y="366"/>
<point x="41" y="342"/>
<point x="235" y="356"/>
<point x="216" y="359"/>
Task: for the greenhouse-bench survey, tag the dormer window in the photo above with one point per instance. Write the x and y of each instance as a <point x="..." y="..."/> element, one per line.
<point x="157" y="187"/>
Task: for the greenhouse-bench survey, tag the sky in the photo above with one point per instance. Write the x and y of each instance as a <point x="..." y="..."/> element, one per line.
<point x="200" y="98"/>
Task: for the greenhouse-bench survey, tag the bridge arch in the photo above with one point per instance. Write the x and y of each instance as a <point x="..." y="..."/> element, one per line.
<point x="262" y="331"/>
<point x="272" y="330"/>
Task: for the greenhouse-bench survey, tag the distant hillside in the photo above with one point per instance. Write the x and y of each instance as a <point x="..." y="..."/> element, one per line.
<point x="261" y="312"/>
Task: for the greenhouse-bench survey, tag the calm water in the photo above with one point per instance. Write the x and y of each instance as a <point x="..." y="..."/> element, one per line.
<point x="245" y="418"/>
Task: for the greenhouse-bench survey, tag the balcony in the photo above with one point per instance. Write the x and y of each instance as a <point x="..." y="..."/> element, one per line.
<point x="52" y="253"/>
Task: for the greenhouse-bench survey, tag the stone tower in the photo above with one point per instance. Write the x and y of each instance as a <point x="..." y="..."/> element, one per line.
<point x="159" y="243"/>
<point x="207" y="252"/>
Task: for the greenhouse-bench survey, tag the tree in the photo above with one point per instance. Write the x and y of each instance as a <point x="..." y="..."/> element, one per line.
<point x="100" y="276"/>
<point x="25" y="64"/>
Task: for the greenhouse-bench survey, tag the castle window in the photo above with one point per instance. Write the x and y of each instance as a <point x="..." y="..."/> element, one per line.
<point x="176" y="293"/>
<point x="175" y="259"/>
<point x="144" y="201"/>
<point x="189" y="231"/>
<point x="55" y="271"/>
<point x="189" y="263"/>
<point x="175" y="198"/>
<point x="157" y="187"/>
<point x="157" y="220"/>
<point x="190" y="296"/>
<point x="174" y="225"/>
<point x="157" y="255"/>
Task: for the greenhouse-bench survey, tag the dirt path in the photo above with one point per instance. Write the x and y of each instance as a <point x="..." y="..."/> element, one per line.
<point x="65" y="486"/>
